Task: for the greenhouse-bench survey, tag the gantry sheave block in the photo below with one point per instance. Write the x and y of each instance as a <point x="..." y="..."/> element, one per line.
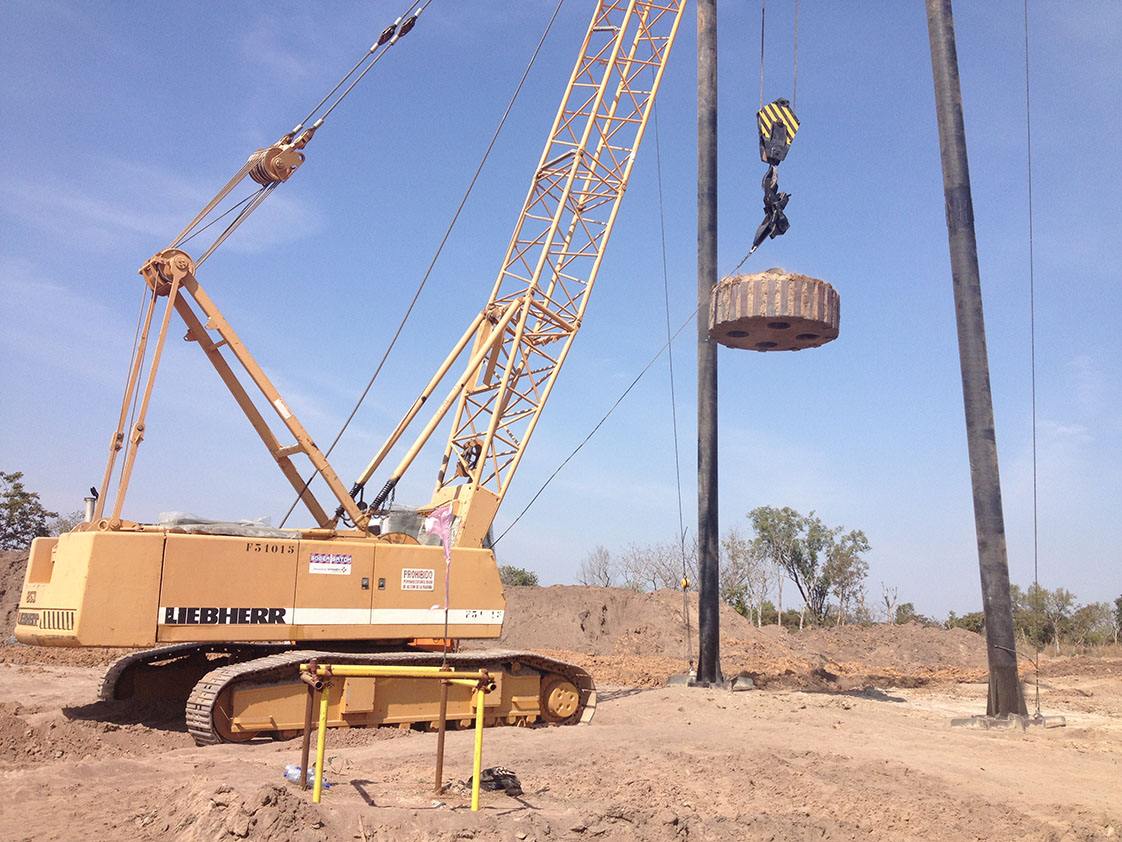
<point x="775" y="310"/>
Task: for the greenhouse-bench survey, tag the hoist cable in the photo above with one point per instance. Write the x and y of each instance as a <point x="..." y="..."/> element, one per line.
<point x="763" y="18"/>
<point x="600" y="423"/>
<point x="743" y="260"/>
<point x="144" y="289"/>
<point x="673" y="394"/>
<point x="1032" y="339"/>
<point x="436" y="254"/>
<point x="795" y="62"/>
<point x="149" y="292"/>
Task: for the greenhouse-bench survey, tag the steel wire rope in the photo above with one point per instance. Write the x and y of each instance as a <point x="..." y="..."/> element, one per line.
<point x="367" y="54"/>
<point x="377" y="57"/>
<point x="132" y="359"/>
<point x="673" y="394"/>
<point x="255" y="200"/>
<point x="221" y="216"/>
<point x="611" y="409"/>
<point x="599" y="424"/>
<point x="1032" y="340"/>
<point x="763" y="18"/>
<point x="436" y="255"/>
<point x="795" y="62"/>
<point x="136" y="387"/>
<point x="794" y="55"/>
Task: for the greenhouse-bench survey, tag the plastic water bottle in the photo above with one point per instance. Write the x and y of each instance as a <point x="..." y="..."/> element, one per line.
<point x="292" y="774"/>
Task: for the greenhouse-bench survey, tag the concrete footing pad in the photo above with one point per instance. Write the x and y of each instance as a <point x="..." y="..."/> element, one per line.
<point x="733" y="685"/>
<point x="997" y="723"/>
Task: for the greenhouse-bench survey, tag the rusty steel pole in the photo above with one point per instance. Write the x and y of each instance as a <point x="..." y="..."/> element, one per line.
<point x="708" y="541"/>
<point x="1005" y="694"/>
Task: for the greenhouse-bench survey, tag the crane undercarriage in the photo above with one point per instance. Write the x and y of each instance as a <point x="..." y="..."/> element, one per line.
<point x="236" y="692"/>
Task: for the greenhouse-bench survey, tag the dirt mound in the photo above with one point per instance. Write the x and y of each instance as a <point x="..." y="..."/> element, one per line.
<point x="23" y="740"/>
<point x="632" y="638"/>
<point x="12" y="565"/>
<point x="58" y="656"/>
<point x="618" y="621"/>
<point x="206" y="812"/>
<point x="638" y="639"/>
<point x="900" y="652"/>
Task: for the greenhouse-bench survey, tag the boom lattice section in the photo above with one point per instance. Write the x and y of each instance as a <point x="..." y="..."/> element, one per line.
<point x="558" y="243"/>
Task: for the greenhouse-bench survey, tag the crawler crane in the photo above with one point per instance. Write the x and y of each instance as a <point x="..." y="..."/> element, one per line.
<point x="223" y="614"/>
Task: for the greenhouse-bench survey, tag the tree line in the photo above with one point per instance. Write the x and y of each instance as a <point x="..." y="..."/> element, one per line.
<point x="824" y="564"/>
<point x="1043" y="618"/>
<point x="826" y="568"/>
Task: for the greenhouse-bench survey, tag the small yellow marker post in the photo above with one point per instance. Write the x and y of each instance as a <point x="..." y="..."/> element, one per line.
<point x="321" y="744"/>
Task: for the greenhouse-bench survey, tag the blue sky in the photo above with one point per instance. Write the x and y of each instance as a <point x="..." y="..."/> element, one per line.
<point x="123" y="119"/>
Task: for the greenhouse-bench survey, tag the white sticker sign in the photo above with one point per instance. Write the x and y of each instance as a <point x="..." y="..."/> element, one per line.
<point x="418" y="579"/>
<point x="337" y="564"/>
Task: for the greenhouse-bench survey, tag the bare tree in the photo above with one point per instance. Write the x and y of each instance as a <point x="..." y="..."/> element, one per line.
<point x="890" y="598"/>
<point x="846" y="570"/>
<point x="657" y="566"/>
<point x="1116" y="619"/>
<point x="1058" y="606"/>
<point x="596" y="570"/>
<point x="746" y="576"/>
<point x="780" y="574"/>
<point x="61" y="524"/>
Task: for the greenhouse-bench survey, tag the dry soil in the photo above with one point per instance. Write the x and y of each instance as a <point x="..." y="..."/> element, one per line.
<point x="848" y="739"/>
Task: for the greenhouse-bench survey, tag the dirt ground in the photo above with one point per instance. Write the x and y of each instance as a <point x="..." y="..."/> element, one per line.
<point x="849" y="738"/>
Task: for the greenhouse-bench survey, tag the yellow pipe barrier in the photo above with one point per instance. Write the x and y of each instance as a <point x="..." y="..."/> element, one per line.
<point x="477" y="757"/>
<point x="321" y="745"/>
<point x="363" y="670"/>
<point x="480" y="682"/>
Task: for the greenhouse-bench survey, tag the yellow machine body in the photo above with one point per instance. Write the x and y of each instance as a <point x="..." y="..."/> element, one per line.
<point x="147" y="587"/>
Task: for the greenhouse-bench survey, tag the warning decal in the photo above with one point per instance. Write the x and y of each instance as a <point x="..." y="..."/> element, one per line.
<point x="338" y="564"/>
<point x="418" y="579"/>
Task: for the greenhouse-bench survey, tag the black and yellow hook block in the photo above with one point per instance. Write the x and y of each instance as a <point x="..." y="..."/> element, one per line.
<point x="778" y="125"/>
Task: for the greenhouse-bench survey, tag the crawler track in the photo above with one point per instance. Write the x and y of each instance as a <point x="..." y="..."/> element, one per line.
<point x="121" y="679"/>
<point x="182" y="669"/>
<point x="282" y="666"/>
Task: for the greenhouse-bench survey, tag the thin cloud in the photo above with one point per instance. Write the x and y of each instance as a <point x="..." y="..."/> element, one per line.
<point x="55" y="326"/>
<point x="114" y="205"/>
<point x="1088" y="383"/>
<point x="263" y="46"/>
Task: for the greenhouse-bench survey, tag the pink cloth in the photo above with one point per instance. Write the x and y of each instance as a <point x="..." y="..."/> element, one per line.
<point x="439" y="523"/>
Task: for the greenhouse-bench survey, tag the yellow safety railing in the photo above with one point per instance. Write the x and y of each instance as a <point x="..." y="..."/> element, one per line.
<point x="318" y="677"/>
